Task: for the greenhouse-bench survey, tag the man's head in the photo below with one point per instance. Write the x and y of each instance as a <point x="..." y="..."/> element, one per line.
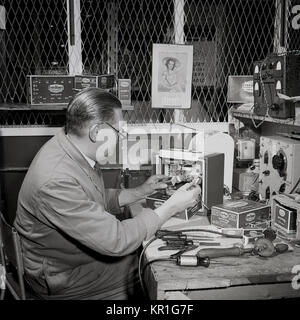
<point x="92" y="110"/>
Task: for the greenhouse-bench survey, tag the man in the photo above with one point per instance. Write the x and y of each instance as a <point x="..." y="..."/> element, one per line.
<point x="75" y="242"/>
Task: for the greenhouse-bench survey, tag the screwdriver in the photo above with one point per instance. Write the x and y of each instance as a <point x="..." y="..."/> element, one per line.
<point x="184" y="237"/>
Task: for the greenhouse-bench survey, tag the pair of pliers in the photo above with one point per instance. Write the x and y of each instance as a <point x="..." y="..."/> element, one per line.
<point x="182" y="249"/>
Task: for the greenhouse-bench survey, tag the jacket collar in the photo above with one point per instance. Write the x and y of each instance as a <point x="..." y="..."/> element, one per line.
<point x="74" y="153"/>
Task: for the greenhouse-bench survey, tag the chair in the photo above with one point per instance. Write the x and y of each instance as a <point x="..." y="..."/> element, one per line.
<point x="11" y="256"/>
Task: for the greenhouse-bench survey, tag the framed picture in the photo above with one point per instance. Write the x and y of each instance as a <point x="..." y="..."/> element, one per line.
<point x="172" y="68"/>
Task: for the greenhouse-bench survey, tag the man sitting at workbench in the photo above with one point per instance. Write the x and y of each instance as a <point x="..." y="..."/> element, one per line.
<point x="76" y="244"/>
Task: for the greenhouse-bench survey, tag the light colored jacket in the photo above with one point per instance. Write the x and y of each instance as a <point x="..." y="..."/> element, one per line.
<point x="69" y="224"/>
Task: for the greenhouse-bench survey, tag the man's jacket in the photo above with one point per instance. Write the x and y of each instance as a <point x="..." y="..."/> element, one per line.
<point x="68" y="223"/>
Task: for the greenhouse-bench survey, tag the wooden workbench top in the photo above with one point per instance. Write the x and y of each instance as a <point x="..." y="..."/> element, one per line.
<point x="234" y="271"/>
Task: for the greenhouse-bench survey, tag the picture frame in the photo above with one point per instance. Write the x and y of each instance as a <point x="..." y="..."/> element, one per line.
<point x="172" y="68"/>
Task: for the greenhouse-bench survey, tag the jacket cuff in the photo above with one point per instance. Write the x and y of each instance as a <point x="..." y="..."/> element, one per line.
<point x="151" y="221"/>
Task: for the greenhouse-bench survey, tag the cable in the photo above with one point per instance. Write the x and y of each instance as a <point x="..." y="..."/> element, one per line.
<point x="295" y="186"/>
<point x="140" y="262"/>
<point x="151" y="261"/>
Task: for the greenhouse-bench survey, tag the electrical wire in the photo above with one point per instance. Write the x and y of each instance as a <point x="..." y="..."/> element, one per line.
<point x="295" y="186"/>
<point x="150" y="262"/>
<point x="140" y="262"/>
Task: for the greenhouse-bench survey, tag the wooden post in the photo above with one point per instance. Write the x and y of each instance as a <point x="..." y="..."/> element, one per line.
<point x="112" y="49"/>
<point x="74" y="37"/>
<point x="179" y="39"/>
<point x="281" y="26"/>
<point x="2" y="54"/>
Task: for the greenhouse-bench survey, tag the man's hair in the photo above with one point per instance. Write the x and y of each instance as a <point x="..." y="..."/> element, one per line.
<point x="90" y="105"/>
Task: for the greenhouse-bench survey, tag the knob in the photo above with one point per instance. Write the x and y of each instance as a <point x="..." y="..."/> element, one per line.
<point x="266" y="157"/>
<point x="282" y="188"/>
<point x="278" y="162"/>
<point x="275" y="106"/>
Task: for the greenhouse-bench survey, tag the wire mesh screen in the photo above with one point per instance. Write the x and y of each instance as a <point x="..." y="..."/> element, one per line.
<point x="35" y="42"/>
<point x="117" y="37"/>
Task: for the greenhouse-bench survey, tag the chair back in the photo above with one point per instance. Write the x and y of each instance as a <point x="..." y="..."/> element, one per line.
<point x="11" y="248"/>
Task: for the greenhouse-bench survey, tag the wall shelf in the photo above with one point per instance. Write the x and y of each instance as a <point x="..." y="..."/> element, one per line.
<point x="247" y="116"/>
<point x="28" y="107"/>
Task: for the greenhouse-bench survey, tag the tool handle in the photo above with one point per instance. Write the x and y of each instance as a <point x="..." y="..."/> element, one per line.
<point x="219" y="252"/>
<point x="174" y="237"/>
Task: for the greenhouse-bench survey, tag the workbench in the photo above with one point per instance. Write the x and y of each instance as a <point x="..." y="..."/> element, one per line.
<point x="245" y="277"/>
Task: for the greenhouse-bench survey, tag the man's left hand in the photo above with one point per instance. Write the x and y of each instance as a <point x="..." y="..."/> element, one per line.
<point x="154" y="183"/>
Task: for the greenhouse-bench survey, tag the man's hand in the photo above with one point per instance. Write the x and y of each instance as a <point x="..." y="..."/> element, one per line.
<point x="154" y="183"/>
<point x="129" y="196"/>
<point x="185" y="197"/>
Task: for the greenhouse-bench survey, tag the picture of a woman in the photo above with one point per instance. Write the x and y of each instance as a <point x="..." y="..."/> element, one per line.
<point x="172" y="70"/>
<point x="170" y="80"/>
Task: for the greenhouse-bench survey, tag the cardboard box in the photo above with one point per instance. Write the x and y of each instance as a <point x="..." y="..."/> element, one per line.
<point x="285" y="218"/>
<point x="124" y="91"/>
<point x="50" y="89"/>
<point x="251" y="235"/>
<point x="157" y="199"/>
<point x="103" y="81"/>
<point x="82" y="82"/>
<point x="240" y="214"/>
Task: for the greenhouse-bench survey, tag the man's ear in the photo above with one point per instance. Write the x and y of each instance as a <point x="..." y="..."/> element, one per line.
<point x="93" y="132"/>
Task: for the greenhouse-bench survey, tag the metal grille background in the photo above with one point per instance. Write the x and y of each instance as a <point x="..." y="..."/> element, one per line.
<point x="117" y="37"/>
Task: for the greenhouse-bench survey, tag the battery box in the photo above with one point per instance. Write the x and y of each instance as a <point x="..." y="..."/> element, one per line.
<point x="240" y="214"/>
<point x="157" y="199"/>
<point x="103" y="81"/>
<point x="285" y="218"/>
<point x="50" y="89"/>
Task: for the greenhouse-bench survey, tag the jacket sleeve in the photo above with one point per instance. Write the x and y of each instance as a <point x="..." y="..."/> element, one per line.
<point x="66" y="206"/>
<point x="112" y="200"/>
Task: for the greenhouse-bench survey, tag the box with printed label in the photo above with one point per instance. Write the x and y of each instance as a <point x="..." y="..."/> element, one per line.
<point x="285" y="218"/>
<point x="240" y="214"/>
<point x="50" y="89"/>
<point x="85" y="81"/>
<point x="157" y="199"/>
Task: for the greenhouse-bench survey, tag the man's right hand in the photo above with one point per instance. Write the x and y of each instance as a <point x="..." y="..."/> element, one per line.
<point x="185" y="197"/>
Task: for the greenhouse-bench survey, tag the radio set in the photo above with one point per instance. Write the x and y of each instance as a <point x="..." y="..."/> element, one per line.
<point x="273" y="75"/>
<point x="60" y="89"/>
<point x="279" y="165"/>
<point x="183" y="167"/>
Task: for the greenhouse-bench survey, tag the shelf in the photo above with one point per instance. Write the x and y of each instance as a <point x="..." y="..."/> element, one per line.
<point x="28" y="107"/>
<point x="249" y="115"/>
